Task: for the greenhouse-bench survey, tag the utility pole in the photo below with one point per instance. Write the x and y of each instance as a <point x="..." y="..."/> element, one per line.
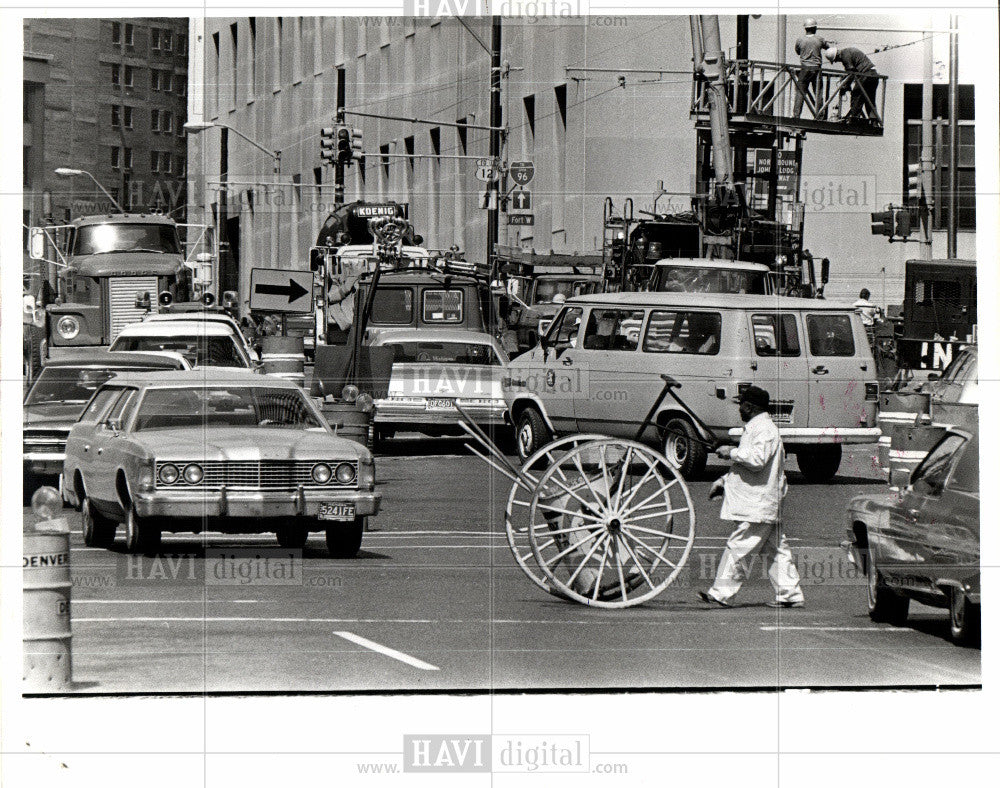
<point x="338" y="165"/>
<point x="953" y="134"/>
<point x="493" y="214"/>
<point x="927" y="153"/>
<point x="714" y="69"/>
<point x="228" y="279"/>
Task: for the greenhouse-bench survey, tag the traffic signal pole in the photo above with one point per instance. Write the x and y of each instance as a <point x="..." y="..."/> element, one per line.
<point x="493" y="214"/>
<point x="927" y="153"/>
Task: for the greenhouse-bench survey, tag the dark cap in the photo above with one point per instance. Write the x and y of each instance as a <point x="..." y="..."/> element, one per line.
<point x="756" y="396"/>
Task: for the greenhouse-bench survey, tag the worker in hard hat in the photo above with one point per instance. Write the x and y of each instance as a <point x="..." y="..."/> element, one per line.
<point x="863" y="82"/>
<point x="809" y="48"/>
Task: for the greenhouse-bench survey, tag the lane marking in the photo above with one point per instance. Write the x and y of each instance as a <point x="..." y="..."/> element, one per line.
<point x="389" y="652"/>
<point x="170" y="601"/>
<point x="820" y="628"/>
<point x="230" y="619"/>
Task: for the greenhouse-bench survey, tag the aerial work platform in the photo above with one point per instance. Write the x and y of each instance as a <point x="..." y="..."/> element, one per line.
<point x="763" y="94"/>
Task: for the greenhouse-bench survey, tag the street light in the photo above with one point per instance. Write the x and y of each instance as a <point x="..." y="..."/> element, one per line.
<point x="69" y="173"/>
<point x="195" y="126"/>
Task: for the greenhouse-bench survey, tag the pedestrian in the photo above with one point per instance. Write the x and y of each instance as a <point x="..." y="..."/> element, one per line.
<point x="809" y="48"/>
<point x="752" y="492"/>
<point x="863" y="80"/>
<point x="868" y="311"/>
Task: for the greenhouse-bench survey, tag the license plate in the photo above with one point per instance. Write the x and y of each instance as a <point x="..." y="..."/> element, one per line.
<point x="440" y="403"/>
<point x="336" y="511"/>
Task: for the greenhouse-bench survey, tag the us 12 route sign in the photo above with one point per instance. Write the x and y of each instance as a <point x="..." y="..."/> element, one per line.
<point x="280" y="290"/>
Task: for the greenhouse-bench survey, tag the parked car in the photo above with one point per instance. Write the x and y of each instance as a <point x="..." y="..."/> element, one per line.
<point x="205" y="342"/>
<point x="913" y="420"/>
<point x="214" y="449"/>
<point x="598" y="370"/>
<point x="432" y="370"/>
<point x="61" y="392"/>
<point x="922" y="543"/>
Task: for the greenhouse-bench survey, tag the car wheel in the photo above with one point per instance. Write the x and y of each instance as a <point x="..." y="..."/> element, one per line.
<point x="819" y="464"/>
<point x="293" y="537"/>
<point x="884" y="605"/>
<point x="532" y="433"/>
<point x="141" y="536"/>
<point x="966" y="619"/>
<point x="683" y="448"/>
<point x="98" y="530"/>
<point x="344" y="540"/>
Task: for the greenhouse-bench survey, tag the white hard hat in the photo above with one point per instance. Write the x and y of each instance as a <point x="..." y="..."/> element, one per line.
<point x="831" y="53"/>
<point x="809" y="24"/>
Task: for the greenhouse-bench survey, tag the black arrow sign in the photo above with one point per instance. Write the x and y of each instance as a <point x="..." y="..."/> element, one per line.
<point x="293" y="290"/>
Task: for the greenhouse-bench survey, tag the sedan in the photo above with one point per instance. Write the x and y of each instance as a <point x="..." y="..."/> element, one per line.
<point x="923" y="543"/>
<point x="217" y="450"/>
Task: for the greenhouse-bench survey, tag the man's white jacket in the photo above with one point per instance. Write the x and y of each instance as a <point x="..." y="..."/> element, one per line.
<point x="756" y="484"/>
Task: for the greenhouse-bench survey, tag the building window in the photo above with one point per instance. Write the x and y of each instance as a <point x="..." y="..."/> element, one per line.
<point x="279" y="60"/>
<point x="116" y="75"/>
<point x="182" y="44"/>
<point x="116" y="157"/>
<point x="168" y="40"/>
<point x="129" y="35"/>
<point x="154" y="120"/>
<point x="154" y="79"/>
<point x="180" y="84"/>
<point x="127" y="116"/>
<point x="559" y="140"/>
<point x="116" y="116"/>
<point x="234" y="78"/>
<point x="129" y="76"/>
<point x="154" y="161"/>
<point x="166" y="122"/>
<point x="912" y="113"/>
<point x="253" y="87"/>
<point x="116" y="32"/>
<point x="154" y="38"/>
<point x="165" y="162"/>
<point x="216" y="75"/>
<point x="127" y="163"/>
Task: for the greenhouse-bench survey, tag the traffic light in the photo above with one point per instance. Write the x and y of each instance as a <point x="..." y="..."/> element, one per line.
<point x="902" y="223"/>
<point x="883" y="223"/>
<point x="913" y="184"/>
<point x="327" y="144"/>
<point x="357" y="145"/>
<point x="344" y="150"/>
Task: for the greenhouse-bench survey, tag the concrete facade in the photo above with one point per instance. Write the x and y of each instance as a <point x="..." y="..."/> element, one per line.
<point x="589" y="136"/>
<point x="94" y="86"/>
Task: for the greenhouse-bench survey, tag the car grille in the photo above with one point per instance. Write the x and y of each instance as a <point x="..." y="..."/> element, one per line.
<point x="45" y="441"/>
<point x="258" y="474"/>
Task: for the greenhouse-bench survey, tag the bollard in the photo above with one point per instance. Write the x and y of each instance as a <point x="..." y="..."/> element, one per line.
<point x="47" y="584"/>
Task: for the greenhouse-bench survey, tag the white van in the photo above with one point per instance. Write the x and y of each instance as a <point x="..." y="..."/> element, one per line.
<point x="598" y="370"/>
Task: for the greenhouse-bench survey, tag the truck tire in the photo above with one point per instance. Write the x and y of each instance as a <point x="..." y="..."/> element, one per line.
<point x="885" y="606"/>
<point x="819" y="464"/>
<point x="683" y="448"/>
<point x="344" y="540"/>
<point x="531" y="433"/>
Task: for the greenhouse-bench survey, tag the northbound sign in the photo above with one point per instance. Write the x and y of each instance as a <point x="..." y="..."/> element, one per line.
<point x="278" y="290"/>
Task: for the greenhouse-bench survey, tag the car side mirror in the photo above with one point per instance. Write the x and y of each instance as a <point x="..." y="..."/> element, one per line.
<point x="113" y="425"/>
<point x="934" y="376"/>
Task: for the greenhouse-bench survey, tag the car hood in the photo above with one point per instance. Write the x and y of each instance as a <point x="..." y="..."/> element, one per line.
<point x="247" y="443"/>
<point x="465" y="381"/>
<point x="56" y="414"/>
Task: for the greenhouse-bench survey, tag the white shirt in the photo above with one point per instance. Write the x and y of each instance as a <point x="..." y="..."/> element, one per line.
<point x="756" y="484"/>
<point x="867" y="310"/>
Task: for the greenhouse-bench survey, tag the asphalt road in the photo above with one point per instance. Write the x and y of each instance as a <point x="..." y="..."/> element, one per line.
<point x="436" y="601"/>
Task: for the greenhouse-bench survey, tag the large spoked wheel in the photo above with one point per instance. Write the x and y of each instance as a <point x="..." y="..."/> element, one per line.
<point x="611" y="523"/>
<point x="517" y="514"/>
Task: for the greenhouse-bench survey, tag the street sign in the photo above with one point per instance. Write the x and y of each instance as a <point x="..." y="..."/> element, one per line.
<point x="521" y="218"/>
<point x="279" y="290"/>
<point x="484" y="174"/>
<point x="522" y="172"/>
<point x="521" y="200"/>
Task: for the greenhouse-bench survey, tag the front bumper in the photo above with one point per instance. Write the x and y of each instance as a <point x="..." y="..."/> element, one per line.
<point x="43" y="464"/>
<point x="250" y="503"/>
<point x="402" y="413"/>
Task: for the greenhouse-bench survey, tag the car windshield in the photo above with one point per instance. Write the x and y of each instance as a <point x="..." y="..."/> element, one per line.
<point x="200" y="351"/>
<point x="688" y="279"/>
<point x="547" y="289"/>
<point x="424" y="352"/>
<point x="110" y="238"/>
<point x="224" y="406"/>
<point x="72" y="385"/>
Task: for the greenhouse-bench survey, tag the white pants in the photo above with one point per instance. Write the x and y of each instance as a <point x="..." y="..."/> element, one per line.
<point x="743" y="543"/>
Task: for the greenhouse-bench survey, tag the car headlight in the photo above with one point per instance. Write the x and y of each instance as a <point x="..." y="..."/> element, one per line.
<point x="321" y="473"/>
<point x="350" y="393"/>
<point x="169" y="473"/>
<point x="365" y="402"/>
<point x="193" y="473"/>
<point x="68" y="327"/>
<point x="346" y="473"/>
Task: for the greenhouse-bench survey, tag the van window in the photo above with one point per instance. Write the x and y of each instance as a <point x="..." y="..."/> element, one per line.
<point x="683" y="332"/>
<point x="775" y="335"/>
<point x="443" y="306"/>
<point x="566" y="328"/>
<point x="613" y="329"/>
<point x="830" y="335"/>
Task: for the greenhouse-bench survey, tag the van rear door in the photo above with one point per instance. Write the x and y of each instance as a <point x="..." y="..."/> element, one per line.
<point x="780" y="365"/>
<point x="840" y="365"/>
